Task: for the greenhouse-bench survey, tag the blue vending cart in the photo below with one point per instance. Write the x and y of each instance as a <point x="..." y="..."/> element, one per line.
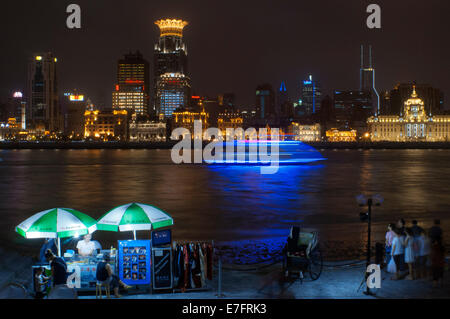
<point x="134" y="262"/>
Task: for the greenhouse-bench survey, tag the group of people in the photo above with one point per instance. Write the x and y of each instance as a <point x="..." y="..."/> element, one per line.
<point x="59" y="274"/>
<point x="413" y="252"/>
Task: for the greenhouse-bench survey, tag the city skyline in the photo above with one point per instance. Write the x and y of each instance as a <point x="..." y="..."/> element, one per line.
<point x="424" y="63"/>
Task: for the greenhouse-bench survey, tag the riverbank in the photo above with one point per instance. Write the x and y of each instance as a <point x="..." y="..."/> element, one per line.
<point x="170" y="144"/>
<point x="340" y="280"/>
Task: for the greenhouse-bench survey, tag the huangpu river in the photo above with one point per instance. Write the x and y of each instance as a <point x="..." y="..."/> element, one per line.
<point x="227" y="203"/>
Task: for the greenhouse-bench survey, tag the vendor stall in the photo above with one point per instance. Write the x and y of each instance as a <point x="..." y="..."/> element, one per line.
<point x="86" y="268"/>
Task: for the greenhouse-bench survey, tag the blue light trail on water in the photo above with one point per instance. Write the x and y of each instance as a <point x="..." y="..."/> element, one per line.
<point x="283" y="199"/>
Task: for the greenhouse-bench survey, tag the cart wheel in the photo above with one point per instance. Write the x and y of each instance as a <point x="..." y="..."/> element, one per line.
<point x="315" y="264"/>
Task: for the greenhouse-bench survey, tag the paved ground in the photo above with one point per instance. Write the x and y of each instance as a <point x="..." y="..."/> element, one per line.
<point x="333" y="283"/>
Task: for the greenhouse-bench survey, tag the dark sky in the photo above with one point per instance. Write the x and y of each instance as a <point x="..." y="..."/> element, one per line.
<point x="232" y="45"/>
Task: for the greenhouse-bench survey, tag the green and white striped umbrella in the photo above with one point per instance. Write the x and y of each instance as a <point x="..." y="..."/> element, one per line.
<point x="133" y="217"/>
<point x="57" y="223"/>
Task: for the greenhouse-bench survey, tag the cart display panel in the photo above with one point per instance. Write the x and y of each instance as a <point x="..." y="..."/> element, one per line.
<point x="134" y="262"/>
<point x="162" y="268"/>
<point x="161" y="237"/>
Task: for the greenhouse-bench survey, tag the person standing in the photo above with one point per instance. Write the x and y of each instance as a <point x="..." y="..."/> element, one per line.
<point x="49" y="243"/>
<point x="423" y="252"/>
<point x="409" y="253"/>
<point x="388" y="242"/>
<point x="40" y="283"/>
<point x="416" y="229"/>
<point x="401" y="226"/>
<point x="59" y="268"/>
<point x="437" y="262"/>
<point x="435" y="232"/>
<point x="398" y="253"/>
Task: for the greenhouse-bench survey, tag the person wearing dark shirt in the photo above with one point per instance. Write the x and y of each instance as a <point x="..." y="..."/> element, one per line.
<point x="435" y="232"/>
<point x="416" y="229"/>
<point x="105" y="275"/>
<point x="401" y="227"/>
<point x="59" y="268"/>
<point x="49" y="243"/>
<point x="437" y="262"/>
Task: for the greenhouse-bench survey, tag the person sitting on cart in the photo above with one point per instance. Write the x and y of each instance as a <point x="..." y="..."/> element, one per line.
<point x="86" y="247"/>
<point x="105" y="275"/>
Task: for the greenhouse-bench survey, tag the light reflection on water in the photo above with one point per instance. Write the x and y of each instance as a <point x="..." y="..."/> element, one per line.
<point x="227" y="202"/>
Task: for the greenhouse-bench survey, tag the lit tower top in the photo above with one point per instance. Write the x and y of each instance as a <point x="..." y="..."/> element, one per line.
<point x="170" y="55"/>
<point x="171" y="27"/>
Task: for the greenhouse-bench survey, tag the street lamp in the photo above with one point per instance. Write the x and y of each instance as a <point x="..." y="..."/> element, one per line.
<point x="368" y="201"/>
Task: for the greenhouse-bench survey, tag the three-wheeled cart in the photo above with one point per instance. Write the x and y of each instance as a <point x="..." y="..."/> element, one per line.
<point x="302" y="255"/>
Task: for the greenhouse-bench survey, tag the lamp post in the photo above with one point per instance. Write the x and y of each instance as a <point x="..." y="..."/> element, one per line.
<point x="363" y="201"/>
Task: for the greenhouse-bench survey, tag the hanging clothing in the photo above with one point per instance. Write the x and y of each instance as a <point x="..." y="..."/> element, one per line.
<point x="196" y="270"/>
<point x="202" y="265"/>
<point x="186" y="279"/>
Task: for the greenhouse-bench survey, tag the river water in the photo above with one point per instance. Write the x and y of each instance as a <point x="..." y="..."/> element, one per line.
<point x="227" y="203"/>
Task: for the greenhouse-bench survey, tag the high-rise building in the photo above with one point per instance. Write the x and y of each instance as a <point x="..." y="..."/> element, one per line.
<point x="170" y="68"/>
<point x="352" y="105"/>
<point x="367" y="80"/>
<point x="265" y="101"/>
<point x="311" y="96"/>
<point x="172" y="92"/>
<point x="16" y="108"/>
<point x="132" y="88"/>
<point x="43" y="112"/>
<point x="282" y="94"/>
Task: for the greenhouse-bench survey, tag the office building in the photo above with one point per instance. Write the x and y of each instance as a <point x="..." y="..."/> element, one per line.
<point x="311" y="96"/>
<point x="185" y="118"/>
<point x="229" y="120"/>
<point x="131" y="91"/>
<point x="367" y="79"/>
<point x="170" y="68"/>
<point x="352" y="105"/>
<point x="265" y="102"/>
<point x="172" y="92"/>
<point x="305" y="132"/>
<point x="106" y="125"/>
<point x="43" y="112"/>
<point x="75" y="107"/>
<point x="146" y="130"/>
<point x="340" y="135"/>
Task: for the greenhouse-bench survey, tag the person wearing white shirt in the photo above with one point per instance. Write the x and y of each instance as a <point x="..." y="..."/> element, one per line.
<point x="398" y="252"/>
<point x="86" y="247"/>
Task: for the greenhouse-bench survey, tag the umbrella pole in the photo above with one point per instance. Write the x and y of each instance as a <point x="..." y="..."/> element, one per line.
<point x="134" y="234"/>
<point x="59" y="247"/>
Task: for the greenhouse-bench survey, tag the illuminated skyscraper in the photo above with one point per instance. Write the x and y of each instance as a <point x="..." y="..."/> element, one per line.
<point x="17" y="108"/>
<point x="367" y="80"/>
<point x="132" y="88"/>
<point x="311" y="96"/>
<point x="43" y="112"/>
<point x="172" y="92"/>
<point x="172" y="84"/>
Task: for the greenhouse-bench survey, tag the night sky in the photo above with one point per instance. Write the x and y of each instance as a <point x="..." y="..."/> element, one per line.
<point x="232" y="45"/>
